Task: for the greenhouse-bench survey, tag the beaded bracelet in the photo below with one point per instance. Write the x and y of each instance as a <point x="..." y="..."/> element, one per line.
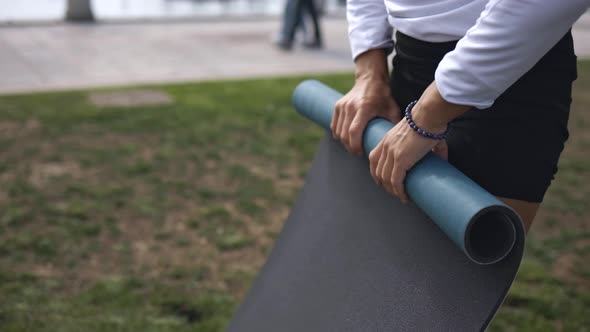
<point x="419" y="130"/>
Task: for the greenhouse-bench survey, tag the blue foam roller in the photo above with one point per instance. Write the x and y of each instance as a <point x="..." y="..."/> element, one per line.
<point x="482" y="226"/>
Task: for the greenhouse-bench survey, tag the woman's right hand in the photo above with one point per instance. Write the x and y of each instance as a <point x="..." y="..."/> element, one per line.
<point x="369" y="98"/>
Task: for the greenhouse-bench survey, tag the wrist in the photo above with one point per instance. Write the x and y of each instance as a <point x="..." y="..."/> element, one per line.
<point x="372" y="66"/>
<point x="429" y="119"/>
<point x="433" y="112"/>
<point x="373" y="76"/>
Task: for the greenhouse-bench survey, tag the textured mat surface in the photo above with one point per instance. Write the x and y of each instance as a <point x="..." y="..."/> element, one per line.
<point x="352" y="258"/>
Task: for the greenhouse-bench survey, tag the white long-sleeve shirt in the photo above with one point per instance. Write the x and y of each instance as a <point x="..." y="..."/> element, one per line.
<point x="499" y="40"/>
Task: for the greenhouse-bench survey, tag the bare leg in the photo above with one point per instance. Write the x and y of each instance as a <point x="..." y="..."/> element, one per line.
<point x="526" y="210"/>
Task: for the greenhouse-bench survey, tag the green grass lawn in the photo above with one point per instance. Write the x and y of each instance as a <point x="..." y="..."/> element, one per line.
<point x="157" y="218"/>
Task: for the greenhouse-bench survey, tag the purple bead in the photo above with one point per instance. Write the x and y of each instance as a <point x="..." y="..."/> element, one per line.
<point x="423" y="133"/>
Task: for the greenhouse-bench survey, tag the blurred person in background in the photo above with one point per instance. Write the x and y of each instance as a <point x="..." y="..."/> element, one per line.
<point x="294" y="18"/>
<point x="486" y="84"/>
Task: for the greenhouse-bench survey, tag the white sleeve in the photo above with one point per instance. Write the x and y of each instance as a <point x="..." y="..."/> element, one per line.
<point x="368" y="27"/>
<point x="507" y="40"/>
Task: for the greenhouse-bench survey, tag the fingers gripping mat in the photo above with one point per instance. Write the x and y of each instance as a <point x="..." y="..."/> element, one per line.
<point x="353" y="258"/>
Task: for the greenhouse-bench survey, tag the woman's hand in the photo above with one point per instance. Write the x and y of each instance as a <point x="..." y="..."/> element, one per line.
<point x="396" y="154"/>
<point x="402" y="147"/>
<point x="369" y="98"/>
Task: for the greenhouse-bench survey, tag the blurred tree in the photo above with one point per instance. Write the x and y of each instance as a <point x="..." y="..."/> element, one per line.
<point x="79" y="10"/>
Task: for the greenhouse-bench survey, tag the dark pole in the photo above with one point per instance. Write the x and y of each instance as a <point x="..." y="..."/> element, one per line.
<point x="79" y="11"/>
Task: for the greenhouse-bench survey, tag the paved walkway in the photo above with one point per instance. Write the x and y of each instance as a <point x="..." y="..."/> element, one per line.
<point x="63" y="56"/>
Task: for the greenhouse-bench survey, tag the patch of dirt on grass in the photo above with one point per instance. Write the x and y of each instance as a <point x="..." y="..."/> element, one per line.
<point x="18" y="129"/>
<point x="44" y="270"/>
<point x="3" y="196"/>
<point x="130" y="98"/>
<point x="138" y="251"/>
<point x="566" y="265"/>
<point x="289" y="180"/>
<point x="551" y="224"/>
<point x="260" y="229"/>
<point x="160" y="245"/>
<point x="201" y="250"/>
<point x="43" y="172"/>
<point x="286" y="179"/>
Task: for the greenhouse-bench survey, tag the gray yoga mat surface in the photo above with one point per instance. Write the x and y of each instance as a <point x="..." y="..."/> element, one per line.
<point x="353" y="258"/>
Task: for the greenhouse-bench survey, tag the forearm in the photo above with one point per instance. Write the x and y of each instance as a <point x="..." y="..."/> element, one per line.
<point x="370" y="97"/>
<point x="372" y="65"/>
<point x="508" y="39"/>
<point x="433" y="113"/>
<point x="499" y="49"/>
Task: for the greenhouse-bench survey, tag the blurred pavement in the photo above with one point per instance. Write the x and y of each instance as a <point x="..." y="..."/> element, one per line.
<point x="55" y="57"/>
<point x="71" y="56"/>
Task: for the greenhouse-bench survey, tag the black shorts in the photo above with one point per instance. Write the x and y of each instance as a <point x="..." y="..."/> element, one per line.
<point x="512" y="148"/>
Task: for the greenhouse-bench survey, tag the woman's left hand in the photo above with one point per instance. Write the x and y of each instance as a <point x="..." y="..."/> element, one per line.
<point x="402" y="147"/>
<point x="398" y="152"/>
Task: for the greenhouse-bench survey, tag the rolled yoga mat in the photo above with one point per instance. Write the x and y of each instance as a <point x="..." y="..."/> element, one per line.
<point x="353" y="258"/>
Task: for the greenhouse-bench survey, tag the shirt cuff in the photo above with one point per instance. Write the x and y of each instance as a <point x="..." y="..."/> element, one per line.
<point x="369" y="38"/>
<point x="457" y="86"/>
<point x="360" y="48"/>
